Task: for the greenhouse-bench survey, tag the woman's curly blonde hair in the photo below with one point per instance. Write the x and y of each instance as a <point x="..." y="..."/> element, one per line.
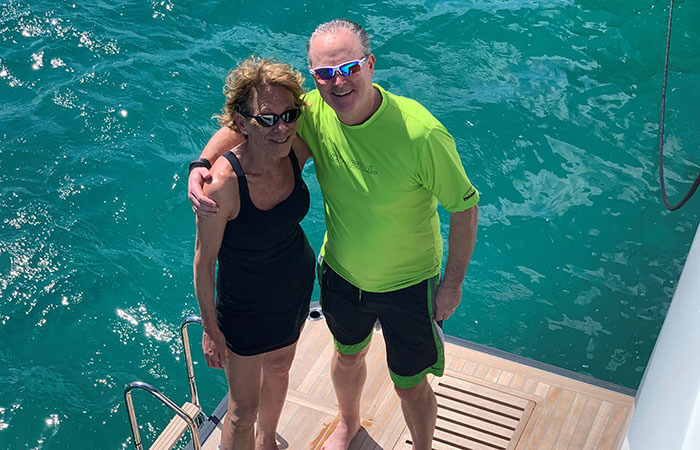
<point x="249" y="76"/>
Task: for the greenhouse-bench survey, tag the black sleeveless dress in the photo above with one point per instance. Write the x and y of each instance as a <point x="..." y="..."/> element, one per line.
<point x="266" y="270"/>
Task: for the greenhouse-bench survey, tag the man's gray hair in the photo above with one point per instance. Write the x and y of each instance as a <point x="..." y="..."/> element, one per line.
<point x="334" y="26"/>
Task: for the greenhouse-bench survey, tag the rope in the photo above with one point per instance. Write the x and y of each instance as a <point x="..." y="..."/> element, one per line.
<point x="661" y="130"/>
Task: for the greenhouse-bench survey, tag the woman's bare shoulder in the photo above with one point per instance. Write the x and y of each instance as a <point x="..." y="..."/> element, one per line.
<point x="223" y="186"/>
<point x="301" y="150"/>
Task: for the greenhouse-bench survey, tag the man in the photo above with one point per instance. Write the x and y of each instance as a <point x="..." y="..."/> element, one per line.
<point x="382" y="162"/>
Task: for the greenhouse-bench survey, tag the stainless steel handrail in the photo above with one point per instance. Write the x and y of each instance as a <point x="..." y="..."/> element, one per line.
<point x="188" y="355"/>
<point x="192" y="425"/>
<point x="167" y="402"/>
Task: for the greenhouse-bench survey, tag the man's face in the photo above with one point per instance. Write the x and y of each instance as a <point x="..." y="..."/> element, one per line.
<point x="351" y="97"/>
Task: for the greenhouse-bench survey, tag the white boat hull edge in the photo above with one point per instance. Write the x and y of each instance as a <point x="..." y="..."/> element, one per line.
<point x="667" y="404"/>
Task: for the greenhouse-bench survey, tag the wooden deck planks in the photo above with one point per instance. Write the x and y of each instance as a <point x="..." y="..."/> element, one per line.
<point x="599" y="425"/>
<point x="569" y="426"/>
<point x="557" y="412"/>
<point x="619" y="420"/>
<point x="584" y="423"/>
<point x="553" y="423"/>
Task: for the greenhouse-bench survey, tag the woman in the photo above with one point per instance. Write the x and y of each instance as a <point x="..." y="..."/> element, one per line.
<point x="266" y="266"/>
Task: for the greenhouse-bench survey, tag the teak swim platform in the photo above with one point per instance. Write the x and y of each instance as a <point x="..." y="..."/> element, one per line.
<point x="487" y="400"/>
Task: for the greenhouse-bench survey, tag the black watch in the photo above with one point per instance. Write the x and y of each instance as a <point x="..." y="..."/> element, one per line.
<point x="200" y="162"/>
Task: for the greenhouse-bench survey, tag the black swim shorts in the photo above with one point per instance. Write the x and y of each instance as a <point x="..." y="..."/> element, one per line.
<point x="414" y="341"/>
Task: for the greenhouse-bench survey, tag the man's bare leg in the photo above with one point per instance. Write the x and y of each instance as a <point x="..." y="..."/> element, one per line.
<point x="348" y="373"/>
<point x="273" y="391"/>
<point x="419" y="408"/>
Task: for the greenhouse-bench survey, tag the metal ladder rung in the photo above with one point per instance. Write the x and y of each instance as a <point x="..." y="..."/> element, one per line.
<point x="176" y="428"/>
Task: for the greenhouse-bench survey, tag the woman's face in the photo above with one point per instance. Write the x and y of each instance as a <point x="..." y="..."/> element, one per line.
<point x="269" y="100"/>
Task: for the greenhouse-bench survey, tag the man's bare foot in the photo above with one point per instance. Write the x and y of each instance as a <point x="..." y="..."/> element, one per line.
<point x="341" y="436"/>
<point x="266" y="442"/>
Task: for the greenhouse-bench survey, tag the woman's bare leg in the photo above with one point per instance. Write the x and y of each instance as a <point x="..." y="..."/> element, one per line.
<point x="243" y="375"/>
<point x="275" y="381"/>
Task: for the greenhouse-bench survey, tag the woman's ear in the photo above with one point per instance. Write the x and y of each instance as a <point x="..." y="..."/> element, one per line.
<point x="239" y="123"/>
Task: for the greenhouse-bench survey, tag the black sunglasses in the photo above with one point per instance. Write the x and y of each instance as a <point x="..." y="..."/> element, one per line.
<point x="269" y="120"/>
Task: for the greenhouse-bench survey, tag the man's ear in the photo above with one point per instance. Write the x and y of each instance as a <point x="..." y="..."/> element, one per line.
<point x="370" y="62"/>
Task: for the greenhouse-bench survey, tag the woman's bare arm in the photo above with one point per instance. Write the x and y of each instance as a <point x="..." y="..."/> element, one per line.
<point x="222" y="141"/>
<point x="210" y="231"/>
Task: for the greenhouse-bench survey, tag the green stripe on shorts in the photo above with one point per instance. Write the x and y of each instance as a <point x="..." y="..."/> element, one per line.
<point x="352" y="349"/>
<point x="436" y="369"/>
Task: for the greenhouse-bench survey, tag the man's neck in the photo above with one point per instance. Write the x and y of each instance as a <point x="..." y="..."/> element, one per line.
<point x="376" y="103"/>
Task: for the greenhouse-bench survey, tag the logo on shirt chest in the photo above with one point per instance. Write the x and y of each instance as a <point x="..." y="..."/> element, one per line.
<point x="338" y="161"/>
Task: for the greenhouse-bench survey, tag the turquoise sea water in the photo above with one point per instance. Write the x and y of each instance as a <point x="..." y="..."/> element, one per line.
<point x="554" y="106"/>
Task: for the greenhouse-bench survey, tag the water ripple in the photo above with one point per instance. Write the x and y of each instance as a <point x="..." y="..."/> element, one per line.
<point x="553" y="106"/>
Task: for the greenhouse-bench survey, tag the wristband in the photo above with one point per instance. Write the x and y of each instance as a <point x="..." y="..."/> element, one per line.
<point x="200" y="162"/>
